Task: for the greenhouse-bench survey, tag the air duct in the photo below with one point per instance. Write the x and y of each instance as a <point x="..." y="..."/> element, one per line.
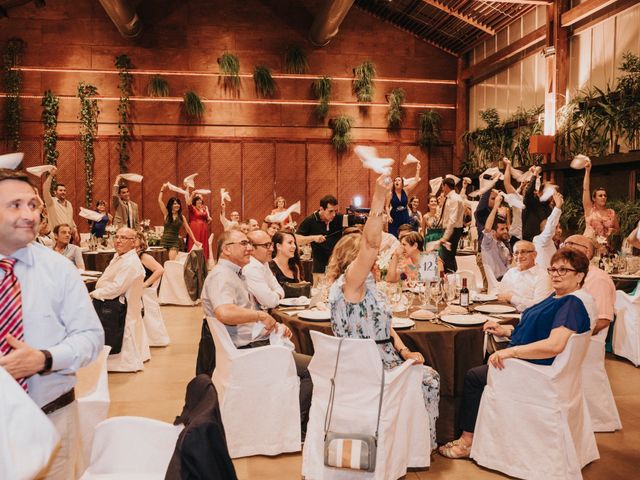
<point x="327" y="22"/>
<point x="123" y="15"/>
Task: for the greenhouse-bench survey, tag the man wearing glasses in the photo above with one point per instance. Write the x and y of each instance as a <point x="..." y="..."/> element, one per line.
<point x="260" y="279"/>
<point x="527" y="283"/>
<point x="226" y="298"/>
<point x="597" y="283"/>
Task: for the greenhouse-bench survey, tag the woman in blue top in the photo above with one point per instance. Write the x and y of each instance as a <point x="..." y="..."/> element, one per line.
<point x="541" y="335"/>
<point x="98" y="228"/>
<point x="398" y="201"/>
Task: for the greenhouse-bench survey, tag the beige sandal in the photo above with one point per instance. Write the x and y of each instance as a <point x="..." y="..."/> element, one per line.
<point x="447" y="450"/>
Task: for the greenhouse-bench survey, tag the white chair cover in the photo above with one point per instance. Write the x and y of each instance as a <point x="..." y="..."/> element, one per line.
<point x="403" y="439"/>
<point x="597" y="389"/>
<point x="27" y="436"/>
<point x="173" y="289"/>
<point x="212" y="261"/>
<point x="533" y="420"/>
<point x="468" y="263"/>
<point x="493" y="286"/>
<point x="626" y="330"/>
<point x="135" y="345"/>
<point x="460" y="274"/>
<point x="258" y="389"/>
<point x="132" y="448"/>
<point x="92" y="392"/>
<point x="153" y="321"/>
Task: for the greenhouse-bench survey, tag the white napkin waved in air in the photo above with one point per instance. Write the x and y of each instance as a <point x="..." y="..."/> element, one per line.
<point x="579" y="162"/>
<point x="548" y="191"/>
<point x="370" y="160"/>
<point x="173" y="188"/>
<point x="453" y="177"/>
<point x="40" y="169"/>
<point x="132" y="177"/>
<point x="90" y="214"/>
<point x="513" y="200"/>
<point x="435" y="245"/>
<point x="189" y="180"/>
<point x="11" y="160"/>
<point x="224" y="196"/>
<point x="202" y="191"/>
<point x="409" y="159"/>
<point x="282" y="216"/>
<point x="435" y="184"/>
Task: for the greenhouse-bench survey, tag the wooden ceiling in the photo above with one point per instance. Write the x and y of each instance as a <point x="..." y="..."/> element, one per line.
<point x="453" y="25"/>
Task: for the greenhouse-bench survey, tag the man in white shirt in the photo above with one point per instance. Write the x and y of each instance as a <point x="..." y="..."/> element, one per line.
<point x="228" y="224"/>
<point x="44" y="233"/>
<point x="226" y="298"/>
<point x="62" y="234"/>
<point x="59" y="208"/>
<point x="58" y="330"/>
<point x="260" y="280"/>
<point x="550" y="233"/>
<point x="496" y="252"/>
<point x="452" y="221"/>
<point x="527" y="283"/>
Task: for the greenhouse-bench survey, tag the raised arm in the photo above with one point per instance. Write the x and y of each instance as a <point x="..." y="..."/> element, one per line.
<point x="115" y="197"/>
<point x="46" y="188"/>
<point x="153" y="265"/>
<point x="507" y="177"/>
<point x="416" y="180"/>
<point x="161" y="204"/>
<point x="549" y="229"/>
<point x="187" y="195"/>
<point x="488" y="225"/>
<point x="369" y="245"/>
<point x="587" y="205"/>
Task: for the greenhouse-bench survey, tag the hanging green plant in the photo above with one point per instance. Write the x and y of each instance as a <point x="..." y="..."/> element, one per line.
<point x="322" y="91"/>
<point x="50" y="108"/>
<point x="158" y="87"/>
<point x="123" y="64"/>
<point x="341" y="128"/>
<point x="395" y="115"/>
<point x="363" y="81"/>
<point x="13" y="83"/>
<point x="89" y="112"/>
<point x="230" y="69"/>
<point x="295" y="60"/>
<point x="264" y="82"/>
<point x="192" y="105"/>
<point x="428" y="128"/>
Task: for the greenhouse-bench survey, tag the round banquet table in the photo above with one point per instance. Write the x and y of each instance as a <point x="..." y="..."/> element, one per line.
<point x="450" y="351"/>
<point x="99" y="260"/>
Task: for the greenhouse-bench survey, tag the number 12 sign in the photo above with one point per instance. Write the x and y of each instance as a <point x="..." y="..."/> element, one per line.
<point x="428" y="270"/>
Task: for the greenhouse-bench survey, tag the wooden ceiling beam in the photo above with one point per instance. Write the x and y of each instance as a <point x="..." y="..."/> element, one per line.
<point x="520" y="2"/>
<point x="583" y="10"/>
<point x="465" y="18"/>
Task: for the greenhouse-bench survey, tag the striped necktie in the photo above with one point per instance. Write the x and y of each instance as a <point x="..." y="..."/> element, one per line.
<point x="10" y="309"/>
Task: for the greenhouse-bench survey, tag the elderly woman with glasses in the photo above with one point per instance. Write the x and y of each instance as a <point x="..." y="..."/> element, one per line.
<point x="541" y="335"/>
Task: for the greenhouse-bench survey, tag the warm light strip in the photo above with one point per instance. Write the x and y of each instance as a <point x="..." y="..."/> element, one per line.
<point x="213" y="74"/>
<point x="444" y="106"/>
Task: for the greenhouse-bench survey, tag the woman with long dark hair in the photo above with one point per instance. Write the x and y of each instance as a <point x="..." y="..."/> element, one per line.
<point x="199" y="219"/>
<point x="286" y="265"/>
<point x="398" y="202"/>
<point x="98" y="228"/>
<point x="174" y="220"/>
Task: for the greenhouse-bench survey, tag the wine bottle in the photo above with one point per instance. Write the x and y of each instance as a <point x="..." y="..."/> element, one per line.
<point x="464" y="294"/>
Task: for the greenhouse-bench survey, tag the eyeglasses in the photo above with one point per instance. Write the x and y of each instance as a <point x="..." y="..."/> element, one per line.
<point x="267" y="245"/>
<point x="561" y="271"/>
<point x="573" y="244"/>
<point x="244" y="243"/>
<point x="522" y="252"/>
<point x="122" y="237"/>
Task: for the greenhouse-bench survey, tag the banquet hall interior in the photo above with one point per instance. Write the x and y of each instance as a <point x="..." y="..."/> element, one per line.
<point x="487" y="150"/>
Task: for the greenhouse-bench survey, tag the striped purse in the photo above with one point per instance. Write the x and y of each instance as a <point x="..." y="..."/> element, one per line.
<point x="354" y="451"/>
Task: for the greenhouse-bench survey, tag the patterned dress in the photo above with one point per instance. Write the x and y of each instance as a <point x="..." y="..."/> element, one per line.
<point x="371" y="318"/>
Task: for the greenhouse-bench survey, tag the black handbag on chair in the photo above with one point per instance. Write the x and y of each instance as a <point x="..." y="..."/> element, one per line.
<point x="112" y="314"/>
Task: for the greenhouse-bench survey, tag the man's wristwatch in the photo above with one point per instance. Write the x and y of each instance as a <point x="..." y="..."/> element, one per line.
<point x="48" y="361"/>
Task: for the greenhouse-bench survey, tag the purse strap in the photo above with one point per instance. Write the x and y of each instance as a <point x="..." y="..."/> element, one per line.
<point x="327" y="418"/>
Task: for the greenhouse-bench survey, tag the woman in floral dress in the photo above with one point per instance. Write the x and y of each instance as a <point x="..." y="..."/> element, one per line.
<point x="359" y="310"/>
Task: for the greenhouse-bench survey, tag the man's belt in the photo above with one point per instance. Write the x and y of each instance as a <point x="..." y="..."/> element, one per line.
<point x="60" y="402"/>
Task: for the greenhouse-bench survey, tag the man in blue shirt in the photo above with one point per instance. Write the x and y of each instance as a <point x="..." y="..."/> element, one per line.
<point x="59" y="329"/>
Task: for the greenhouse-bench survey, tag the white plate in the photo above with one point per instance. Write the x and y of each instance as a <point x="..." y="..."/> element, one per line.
<point x="156" y="248"/>
<point x="90" y="273"/>
<point x="316" y="315"/>
<point x="464" y="320"/>
<point x="295" y="302"/>
<point x="457" y="301"/>
<point x="494" y="308"/>
<point x="400" y="323"/>
<point x="626" y="276"/>
<point x="483" y="297"/>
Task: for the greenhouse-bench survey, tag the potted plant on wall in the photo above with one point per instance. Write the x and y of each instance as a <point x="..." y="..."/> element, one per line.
<point x="230" y="70"/>
<point x="322" y="91"/>
<point x="124" y="65"/>
<point x="295" y="60"/>
<point x="264" y="82"/>
<point x="192" y="106"/>
<point x="341" y="132"/>
<point x="395" y="114"/>
<point x="89" y="112"/>
<point x="50" y="108"/>
<point x="363" y="81"/>
<point x="428" y="128"/>
<point x="158" y="87"/>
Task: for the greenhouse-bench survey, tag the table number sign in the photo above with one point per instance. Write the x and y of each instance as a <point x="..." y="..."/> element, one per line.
<point x="428" y="270"/>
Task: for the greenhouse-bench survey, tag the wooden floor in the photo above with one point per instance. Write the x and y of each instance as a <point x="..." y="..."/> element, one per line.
<point x="158" y="392"/>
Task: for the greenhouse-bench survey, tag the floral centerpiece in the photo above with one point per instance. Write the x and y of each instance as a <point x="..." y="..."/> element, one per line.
<point x="383" y="262"/>
<point x="153" y="238"/>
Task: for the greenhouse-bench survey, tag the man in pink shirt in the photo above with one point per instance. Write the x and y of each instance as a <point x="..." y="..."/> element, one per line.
<point x="597" y="283"/>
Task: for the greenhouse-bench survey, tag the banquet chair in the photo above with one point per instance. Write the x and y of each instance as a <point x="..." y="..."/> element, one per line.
<point x="626" y="331"/>
<point x="212" y="261"/>
<point x="533" y="420"/>
<point x="92" y="393"/>
<point x="27" y="437"/>
<point x="131" y="448"/>
<point x="468" y="263"/>
<point x="173" y="289"/>
<point x="135" y="344"/>
<point x="403" y="440"/>
<point x="460" y="274"/>
<point x="493" y="285"/>
<point x="153" y="321"/>
<point x="597" y="389"/>
<point x="258" y="390"/>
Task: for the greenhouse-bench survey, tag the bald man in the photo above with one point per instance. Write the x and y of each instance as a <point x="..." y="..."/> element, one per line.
<point x="597" y="283"/>
<point x="259" y="277"/>
<point x="527" y="283"/>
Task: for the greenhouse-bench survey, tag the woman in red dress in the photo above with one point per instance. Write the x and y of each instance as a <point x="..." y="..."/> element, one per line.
<point x="199" y="219"/>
